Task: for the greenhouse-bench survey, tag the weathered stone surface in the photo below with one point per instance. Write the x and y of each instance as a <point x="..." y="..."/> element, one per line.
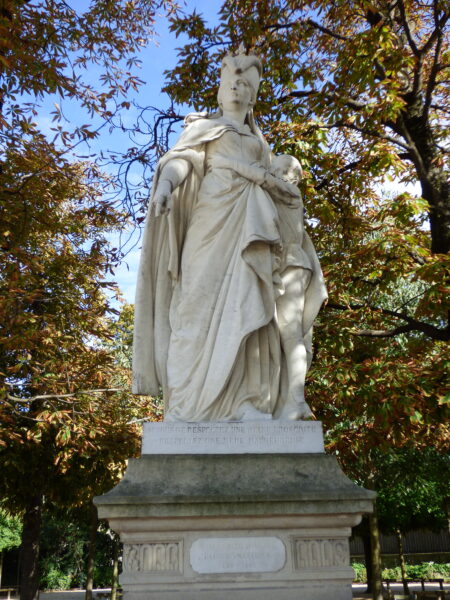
<point x="233" y="438"/>
<point x="189" y="485"/>
<point x="243" y="526"/>
<point x="239" y="592"/>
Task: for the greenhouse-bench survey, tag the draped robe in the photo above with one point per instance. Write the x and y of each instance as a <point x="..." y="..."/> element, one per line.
<point x="205" y="325"/>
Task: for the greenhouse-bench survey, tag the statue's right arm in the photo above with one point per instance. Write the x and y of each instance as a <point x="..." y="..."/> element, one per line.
<point x="172" y="175"/>
<point x="251" y="172"/>
<point x="281" y="190"/>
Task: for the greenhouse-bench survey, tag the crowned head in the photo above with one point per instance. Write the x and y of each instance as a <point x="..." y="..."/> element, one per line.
<point x="245" y="66"/>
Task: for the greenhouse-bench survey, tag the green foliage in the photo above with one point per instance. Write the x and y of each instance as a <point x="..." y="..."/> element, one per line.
<point x="62" y="420"/>
<point x="87" y="57"/>
<point x="360" y="573"/>
<point x="361" y="85"/>
<point x="64" y="539"/>
<point x="103" y="568"/>
<point x="54" y="579"/>
<point x="64" y="549"/>
<point x="412" y="489"/>
<point x="10" y="531"/>
<point x="120" y="345"/>
<point x="411" y="486"/>
<point x="426" y="570"/>
<point x="55" y="315"/>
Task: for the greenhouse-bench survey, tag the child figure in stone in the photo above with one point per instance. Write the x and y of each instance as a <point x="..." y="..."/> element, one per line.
<point x="295" y="269"/>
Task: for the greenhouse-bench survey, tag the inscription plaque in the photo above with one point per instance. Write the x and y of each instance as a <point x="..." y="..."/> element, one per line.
<point x="238" y="555"/>
<point x="233" y="438"/>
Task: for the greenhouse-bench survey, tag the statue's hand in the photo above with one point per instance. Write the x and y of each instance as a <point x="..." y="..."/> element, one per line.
<point x="291" y="189"/>
<point x="286" y="188"/>
<point x="161" y="198"/>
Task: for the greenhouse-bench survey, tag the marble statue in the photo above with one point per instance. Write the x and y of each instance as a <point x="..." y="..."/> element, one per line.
<point x="229" y="283"/>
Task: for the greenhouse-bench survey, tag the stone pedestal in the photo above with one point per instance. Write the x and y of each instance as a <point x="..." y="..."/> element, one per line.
<point x="235" y="524"/>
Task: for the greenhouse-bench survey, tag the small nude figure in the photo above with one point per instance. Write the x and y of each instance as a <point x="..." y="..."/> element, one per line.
<point x="296" y="271"/>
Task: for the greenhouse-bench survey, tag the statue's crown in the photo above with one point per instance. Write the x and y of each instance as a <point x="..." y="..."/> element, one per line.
<point x="248" y="65"/>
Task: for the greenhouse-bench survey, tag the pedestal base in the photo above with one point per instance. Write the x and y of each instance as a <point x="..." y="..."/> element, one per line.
<point x="271" y="557"/>
<point x="235" y="527"/>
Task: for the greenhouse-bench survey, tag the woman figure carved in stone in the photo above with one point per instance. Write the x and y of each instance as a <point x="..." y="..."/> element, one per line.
<point x="217" y="302"/>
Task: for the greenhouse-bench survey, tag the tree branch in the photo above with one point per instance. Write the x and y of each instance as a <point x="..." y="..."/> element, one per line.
<point x="432" y="78"/>
<point x="323" y="29"/>
<point x="382" y="333"/>
<point x="311" y="23"/>
<point x="370" y="132"/>
<point x="340" y="171"/>
<point x="401" y="128"/>
<point x="350" y="102"/>
<point x="441" y="108"/>
<point x="59" y="396"/>
<point x="405" y="22"/>
<point x="145" y="419"/>
<point x="431" y="331"/>
<point x="437" y="31"/>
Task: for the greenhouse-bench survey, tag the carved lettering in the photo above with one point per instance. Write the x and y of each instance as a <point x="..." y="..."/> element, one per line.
<point x="274" y="436"/>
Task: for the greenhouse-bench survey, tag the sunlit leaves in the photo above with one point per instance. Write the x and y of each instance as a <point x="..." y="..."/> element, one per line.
<point x="60" y="434"/>
<point x="357" y="92"/>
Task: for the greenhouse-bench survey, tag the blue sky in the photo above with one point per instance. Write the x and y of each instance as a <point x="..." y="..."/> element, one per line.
<point x="159" y="55"/>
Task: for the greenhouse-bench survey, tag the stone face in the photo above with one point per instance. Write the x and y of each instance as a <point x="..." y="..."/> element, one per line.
<point x="238" y="592"/>
<point x="233" y="438"/>
<point x="277" y="558"/>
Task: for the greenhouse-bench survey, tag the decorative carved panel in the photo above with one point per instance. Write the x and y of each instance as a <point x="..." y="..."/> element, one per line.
<point x="162" y="556"/>
<point x="318" y="553"/>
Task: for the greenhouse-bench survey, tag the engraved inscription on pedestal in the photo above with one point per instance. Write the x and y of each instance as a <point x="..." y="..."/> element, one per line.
<point x="238" y="555"/>
<point x="165" y="556"/>
<point x="232" y="438"/>
<point x="313" y="554"/>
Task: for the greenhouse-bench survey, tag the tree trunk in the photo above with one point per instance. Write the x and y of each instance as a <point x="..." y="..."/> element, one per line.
<point x="368" y="559"/>
<point x="417" y="131"/>
<point x="1" y="567"/>
<point x="447" y="511"/>
<point x="401" y="556"/>
<point x="377" y="587"/>
<point x="115" y="576"/>
<point x="29" y="550"/>
<point x="435" y="189"/>
<point x="91" y="555"/>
